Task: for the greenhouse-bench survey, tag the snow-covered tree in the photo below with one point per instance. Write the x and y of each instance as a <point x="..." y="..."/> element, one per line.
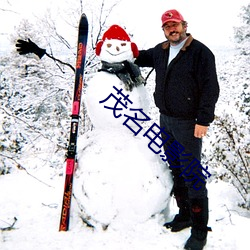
<point x="34" y="104"/>
<point x="231" y="144"/>
<point x="36" y="95"/>
<point x="242" y="33"/>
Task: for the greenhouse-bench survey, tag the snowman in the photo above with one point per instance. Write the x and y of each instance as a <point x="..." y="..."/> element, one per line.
<point x="119" y="181"/>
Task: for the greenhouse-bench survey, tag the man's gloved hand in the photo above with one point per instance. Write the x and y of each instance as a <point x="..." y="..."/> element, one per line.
<point x="24" y="47"/>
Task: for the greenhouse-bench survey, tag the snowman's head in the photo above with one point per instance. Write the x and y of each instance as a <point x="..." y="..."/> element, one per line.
<point x="116" y="46"/>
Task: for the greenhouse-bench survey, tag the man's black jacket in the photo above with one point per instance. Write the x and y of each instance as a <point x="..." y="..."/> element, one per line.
<point x="188" y="87"/>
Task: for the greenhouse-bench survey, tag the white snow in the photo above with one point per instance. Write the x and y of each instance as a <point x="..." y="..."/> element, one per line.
<point x="99" y="90"/>
<point x="120" y="181"/>
<point x="37" y="208"/>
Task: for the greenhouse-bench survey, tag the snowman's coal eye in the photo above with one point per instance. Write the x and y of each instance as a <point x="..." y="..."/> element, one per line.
<point x="109" y="45"/>
<point x="123" y="44"/>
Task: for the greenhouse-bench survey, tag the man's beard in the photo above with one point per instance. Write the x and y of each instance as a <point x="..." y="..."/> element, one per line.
<point x="182" y="36"/>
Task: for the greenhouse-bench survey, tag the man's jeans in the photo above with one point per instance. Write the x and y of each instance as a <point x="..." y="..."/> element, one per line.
<point x="182" y="131"/>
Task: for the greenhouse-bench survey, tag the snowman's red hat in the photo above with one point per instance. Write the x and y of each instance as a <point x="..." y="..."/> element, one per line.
<point x="116" y="32"/>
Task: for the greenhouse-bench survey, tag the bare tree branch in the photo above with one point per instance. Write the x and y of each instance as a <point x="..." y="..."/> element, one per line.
<point x="10" y="227"/>
<point x="57" y="60"/>
<point x="19" y="166"/>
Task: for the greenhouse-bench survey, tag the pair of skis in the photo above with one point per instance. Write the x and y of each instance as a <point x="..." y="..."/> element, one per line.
<point x="71" y="160"/>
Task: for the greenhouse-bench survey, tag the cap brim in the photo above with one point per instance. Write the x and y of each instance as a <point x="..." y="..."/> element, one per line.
<point x="172" y="20"/>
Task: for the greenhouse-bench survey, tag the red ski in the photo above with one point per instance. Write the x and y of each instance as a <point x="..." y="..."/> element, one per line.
<point x="71" y="153"/>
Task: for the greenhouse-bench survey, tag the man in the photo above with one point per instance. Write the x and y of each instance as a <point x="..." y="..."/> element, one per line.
<point x="186" y="92"/>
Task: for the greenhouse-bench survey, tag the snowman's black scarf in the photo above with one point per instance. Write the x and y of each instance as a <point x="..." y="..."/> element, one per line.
<point x="128" y="72"/>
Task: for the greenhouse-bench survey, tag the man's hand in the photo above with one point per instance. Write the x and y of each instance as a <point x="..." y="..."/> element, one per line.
<point x="200" y="131"/>
<point x="24" y="47"/>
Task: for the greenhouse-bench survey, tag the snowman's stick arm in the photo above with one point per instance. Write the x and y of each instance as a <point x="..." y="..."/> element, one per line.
<point x="149" y="73"/>
<point x="57" y="60"/>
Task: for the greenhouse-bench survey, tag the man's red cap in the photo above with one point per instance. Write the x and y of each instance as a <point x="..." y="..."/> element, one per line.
<point x="171" y="16"/>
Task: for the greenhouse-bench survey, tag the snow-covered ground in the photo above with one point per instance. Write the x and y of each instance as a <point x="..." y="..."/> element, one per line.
<point x="37" y="208"/>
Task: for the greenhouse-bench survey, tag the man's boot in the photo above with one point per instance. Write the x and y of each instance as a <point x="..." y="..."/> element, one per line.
<point x="182" y="220"/>
<point x="199" y="215"/>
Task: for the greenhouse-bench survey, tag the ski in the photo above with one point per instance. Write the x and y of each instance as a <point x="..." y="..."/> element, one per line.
<point x="71" y="160"/>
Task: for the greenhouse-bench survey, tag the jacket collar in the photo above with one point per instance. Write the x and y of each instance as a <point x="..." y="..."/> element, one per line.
<point x="166" y="44"/>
